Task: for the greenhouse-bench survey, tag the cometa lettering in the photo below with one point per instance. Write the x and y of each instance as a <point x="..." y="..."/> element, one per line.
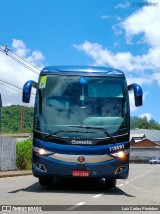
<point x="81" y="142"/>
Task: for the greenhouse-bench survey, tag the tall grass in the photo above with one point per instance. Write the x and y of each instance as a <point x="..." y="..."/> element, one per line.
<point x="24" y="155"/>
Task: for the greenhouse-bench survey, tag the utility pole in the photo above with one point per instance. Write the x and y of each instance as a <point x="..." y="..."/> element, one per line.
<point x="22" y="120"/>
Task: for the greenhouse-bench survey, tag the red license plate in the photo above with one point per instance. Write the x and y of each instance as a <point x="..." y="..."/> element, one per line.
<point x="80" y="173"/>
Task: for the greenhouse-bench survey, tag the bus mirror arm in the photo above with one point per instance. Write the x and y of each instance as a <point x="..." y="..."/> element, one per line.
<point x="27" y="90"/>
<point x="138" y="94"/>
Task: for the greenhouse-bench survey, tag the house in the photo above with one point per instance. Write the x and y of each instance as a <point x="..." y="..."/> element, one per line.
<point x="145" y="138"/>
<point x="145" y="144"/>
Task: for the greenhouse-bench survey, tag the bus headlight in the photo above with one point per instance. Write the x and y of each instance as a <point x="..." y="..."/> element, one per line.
<point x="42" y="151"/>
<point x="121" y="154"/>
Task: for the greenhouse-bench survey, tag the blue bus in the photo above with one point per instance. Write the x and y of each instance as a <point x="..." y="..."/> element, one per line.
<point x="81" y="123"/>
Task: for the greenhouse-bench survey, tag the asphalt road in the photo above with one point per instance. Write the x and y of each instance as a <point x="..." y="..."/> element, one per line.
<point x="141" y="188"/>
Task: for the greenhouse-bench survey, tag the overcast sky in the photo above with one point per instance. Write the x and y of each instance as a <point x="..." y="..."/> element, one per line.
<point x="120" y="34"/>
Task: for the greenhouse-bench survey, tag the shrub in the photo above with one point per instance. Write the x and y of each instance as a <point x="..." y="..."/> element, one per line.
<point x="24" y="155"/>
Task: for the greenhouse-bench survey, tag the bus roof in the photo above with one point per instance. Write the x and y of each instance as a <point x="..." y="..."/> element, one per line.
<point x="83" y="70"/>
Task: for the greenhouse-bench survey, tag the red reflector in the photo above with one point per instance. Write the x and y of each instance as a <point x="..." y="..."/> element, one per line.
<point x="80" y="173"/>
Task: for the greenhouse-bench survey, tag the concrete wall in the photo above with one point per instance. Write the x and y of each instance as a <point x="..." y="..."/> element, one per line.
<point x="143" y="154"/>
<point x="7" y="153"/>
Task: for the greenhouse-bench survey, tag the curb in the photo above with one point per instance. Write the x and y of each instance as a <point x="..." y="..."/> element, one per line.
<point x="4" y="174"/>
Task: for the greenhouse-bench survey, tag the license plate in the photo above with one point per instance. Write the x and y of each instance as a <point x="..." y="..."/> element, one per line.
<point x="80" y="173"/>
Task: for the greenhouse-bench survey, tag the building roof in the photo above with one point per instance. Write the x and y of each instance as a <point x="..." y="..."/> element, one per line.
<point x="144" y="143"/>
<point x="150" y="134"/>
<point x="137" y="137"/>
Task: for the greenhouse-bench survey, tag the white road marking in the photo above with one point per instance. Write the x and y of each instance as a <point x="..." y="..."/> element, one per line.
<point x="139" y="176"/>
<point x="75" y="206"/>
<point x="133" y="179"/>
<point x="80" y="203"/>
<point x="145" y="190"/>
<point x="120" y="185"/>
<point x="98" y="195"/>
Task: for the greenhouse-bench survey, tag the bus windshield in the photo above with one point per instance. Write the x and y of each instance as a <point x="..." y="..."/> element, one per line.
<point x="66" y="104"/>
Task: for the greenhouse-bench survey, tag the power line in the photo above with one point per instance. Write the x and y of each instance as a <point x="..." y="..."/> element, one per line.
<point x="18" y="59"/>
<point x="22" y="59"/>
<point x="11" y="84"/>
<point x="23" y="64"/>
<point x="7" y="49"/>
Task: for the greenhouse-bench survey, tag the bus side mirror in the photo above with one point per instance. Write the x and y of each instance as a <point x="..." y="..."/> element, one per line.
<point x="27" y="90"/>
<point x="138" y="94"/>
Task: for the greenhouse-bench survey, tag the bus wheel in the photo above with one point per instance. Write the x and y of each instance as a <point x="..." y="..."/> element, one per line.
<point x="110" y="182"/>
<point x="45" y="181"/>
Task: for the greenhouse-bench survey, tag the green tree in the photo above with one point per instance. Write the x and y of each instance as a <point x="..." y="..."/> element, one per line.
<point x="143" y="123"/>
<point x="11" y="119"/>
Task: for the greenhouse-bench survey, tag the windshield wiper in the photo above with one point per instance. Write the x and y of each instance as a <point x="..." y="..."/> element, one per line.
<point x="65" y="131"/>
<point x="98" y="128"/>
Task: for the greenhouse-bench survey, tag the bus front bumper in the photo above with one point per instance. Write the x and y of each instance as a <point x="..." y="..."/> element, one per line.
<point x="62" y="165"/>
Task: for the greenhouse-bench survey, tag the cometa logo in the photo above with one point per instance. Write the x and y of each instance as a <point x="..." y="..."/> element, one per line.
<point x="81" y="142"/>
<point x="81" y="159"/>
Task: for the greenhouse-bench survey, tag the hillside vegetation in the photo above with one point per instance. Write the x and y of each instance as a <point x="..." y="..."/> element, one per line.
<point x="11" y="119"/>
<point x="143" y="123"/>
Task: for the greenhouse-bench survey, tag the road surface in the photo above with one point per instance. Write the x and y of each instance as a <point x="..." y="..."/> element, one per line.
<point x="141" y="188"/>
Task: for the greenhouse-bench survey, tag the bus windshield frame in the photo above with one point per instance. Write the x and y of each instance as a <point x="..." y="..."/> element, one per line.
<point x="68" y="104"/>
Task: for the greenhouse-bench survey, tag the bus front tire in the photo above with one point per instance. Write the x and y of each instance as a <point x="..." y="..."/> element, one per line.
<point x="45" y="181"/>
<point x="110" y="182"/>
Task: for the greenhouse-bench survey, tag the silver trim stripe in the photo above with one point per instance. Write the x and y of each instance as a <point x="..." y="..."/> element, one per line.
<point x="74" y="158"/>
